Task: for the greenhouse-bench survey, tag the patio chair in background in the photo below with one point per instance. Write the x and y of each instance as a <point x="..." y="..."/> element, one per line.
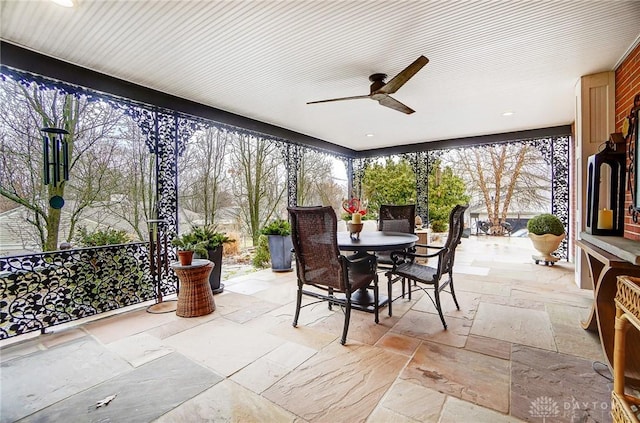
<point x="394" y="218"/>
<point x="319" y="263"/>
<point x="406" y="268"/>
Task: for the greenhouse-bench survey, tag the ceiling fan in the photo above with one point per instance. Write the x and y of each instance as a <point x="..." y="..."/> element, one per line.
<point x="380" y="90"/>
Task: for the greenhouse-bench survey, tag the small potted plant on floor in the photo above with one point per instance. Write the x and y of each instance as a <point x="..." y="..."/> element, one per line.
<point x="546" y="232"/>
<point x="214" y="244"/>
<point x="278" y="233"/>
<point x="187" y="245"/>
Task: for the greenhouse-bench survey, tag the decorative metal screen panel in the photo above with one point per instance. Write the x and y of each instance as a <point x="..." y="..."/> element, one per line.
<point x="38" y="291"/>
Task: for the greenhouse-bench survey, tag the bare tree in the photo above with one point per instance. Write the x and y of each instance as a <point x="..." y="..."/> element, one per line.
<point x="134" y="197"/>
<point x="503" y="174"/>
<point x="258" y="181"/>
<point x="316" y="185"/>
<point x="26" y="109"/>
<point x="203" y="176"/>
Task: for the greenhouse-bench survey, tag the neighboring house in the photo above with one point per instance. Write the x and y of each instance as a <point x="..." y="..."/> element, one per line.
<point x="227" y="220"/>
<point x="17" y="236"/>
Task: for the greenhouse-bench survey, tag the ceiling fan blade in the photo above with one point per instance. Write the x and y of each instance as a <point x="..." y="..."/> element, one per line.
<point x="339" y="99"/>
<point x="394" y="104"/>
<point x="400" y="79"/>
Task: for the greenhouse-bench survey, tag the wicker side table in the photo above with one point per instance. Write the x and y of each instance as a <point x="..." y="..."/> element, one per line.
<point x="195" y="297"/>
<point x="627" y="317"/>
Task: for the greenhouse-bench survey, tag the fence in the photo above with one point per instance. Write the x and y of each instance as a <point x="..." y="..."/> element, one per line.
<point x="46" y="289"/>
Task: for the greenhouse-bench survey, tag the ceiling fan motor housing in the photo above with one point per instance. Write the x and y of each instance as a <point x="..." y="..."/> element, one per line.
<point x="377" y="80"/>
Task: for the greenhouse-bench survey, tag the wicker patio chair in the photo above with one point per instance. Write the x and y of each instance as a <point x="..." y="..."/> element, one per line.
<point x="405" y="266"/>
<point x="319" y="263"/>
<point x="394" y="218"/>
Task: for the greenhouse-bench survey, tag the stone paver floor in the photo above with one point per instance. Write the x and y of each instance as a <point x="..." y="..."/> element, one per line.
<point x="515" y="351"/>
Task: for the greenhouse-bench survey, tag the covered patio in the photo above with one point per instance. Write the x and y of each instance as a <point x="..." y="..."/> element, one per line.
<point x="514" y="352"/>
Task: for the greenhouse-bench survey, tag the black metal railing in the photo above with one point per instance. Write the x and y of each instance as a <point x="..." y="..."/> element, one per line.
<point x="46" y="289"/>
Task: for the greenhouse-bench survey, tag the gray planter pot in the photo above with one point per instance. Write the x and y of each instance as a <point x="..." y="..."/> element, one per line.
<point x="280" y="252"/>
<point x="214" y="277"/>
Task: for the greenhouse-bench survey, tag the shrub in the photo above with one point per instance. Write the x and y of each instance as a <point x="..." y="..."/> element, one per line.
<point x="209" y="236"/>
<point x="277" y="227"/>
<point x="232" y="248"/>
<point x="261" y="257"/>
<point x="545" y="224"/>
<point x="439" y="226"/>
<point x="100" y="237"/>
<point x="189" y="242"/>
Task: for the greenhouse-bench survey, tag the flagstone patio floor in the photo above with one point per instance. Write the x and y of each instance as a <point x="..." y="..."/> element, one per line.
<point x="515" y="351"/>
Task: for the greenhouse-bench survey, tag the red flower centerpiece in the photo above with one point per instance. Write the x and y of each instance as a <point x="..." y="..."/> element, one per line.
<point x="356" y="208"/>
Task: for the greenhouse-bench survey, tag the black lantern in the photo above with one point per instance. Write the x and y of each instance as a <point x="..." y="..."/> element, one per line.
<point x="605" y="192"/>
<point x="55" y="152"/>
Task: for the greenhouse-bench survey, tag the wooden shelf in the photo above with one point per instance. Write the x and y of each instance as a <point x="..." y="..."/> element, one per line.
<point x="605" y="267"/>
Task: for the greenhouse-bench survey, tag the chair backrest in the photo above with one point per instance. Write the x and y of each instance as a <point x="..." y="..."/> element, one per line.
<point x="314" y="235"/>
<point x="397" y="218"/>
<point x="456" y="227"/>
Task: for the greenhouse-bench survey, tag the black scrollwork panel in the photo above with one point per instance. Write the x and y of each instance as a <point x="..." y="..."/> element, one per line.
<point x="46" y="289"/>
<point x="292" y="155"/>
<point x="560" y="188"/>
<point x="632" y="138"/>
<point x="28" y="79"/>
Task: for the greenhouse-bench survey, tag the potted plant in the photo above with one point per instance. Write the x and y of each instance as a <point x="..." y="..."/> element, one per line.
<point x="546" y="232"/>
<point x="214" y="244"/>
<point x="187" y="245"/>
<point x="278" y="232"/>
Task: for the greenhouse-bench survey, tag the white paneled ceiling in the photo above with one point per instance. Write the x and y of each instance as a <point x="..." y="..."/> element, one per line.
<point x="266" y="59"/>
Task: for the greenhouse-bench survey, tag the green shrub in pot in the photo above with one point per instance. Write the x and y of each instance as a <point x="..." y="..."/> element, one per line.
<point x="546" y="232"/>
<point x="278" y="232"/>
<point x="214" y="244"/>
<point x="545" y="224"/>
<point x="277" y="227"/>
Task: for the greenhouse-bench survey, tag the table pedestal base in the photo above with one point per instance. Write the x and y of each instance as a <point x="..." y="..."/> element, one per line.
<point x="362" y="300"/>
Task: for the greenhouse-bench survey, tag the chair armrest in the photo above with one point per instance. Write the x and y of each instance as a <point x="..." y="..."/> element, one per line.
<point x="363" y="259"/>
<point x="438" y="247"/>
<point x="398" y="257"/>
<point x="368" y="260"/>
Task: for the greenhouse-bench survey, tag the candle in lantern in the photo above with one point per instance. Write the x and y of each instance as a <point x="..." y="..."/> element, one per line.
<point x="605" y="219"/>
<point x="356" y="218"/>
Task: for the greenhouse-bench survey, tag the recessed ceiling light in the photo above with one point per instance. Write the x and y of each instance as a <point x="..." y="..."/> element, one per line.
<point x="508" y="113"/>
<point x="369" y="135"/>
<point x="65" y="3"/>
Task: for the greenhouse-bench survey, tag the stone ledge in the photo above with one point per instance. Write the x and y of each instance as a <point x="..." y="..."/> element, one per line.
<point x="624" y="248"/>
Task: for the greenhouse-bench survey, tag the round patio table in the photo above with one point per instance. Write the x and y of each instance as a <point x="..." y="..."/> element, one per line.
<point x="373" y="241"/>
<point x="376" y="241"/>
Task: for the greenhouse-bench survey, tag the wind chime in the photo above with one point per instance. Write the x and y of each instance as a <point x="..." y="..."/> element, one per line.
<point x="55" y="153"/>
